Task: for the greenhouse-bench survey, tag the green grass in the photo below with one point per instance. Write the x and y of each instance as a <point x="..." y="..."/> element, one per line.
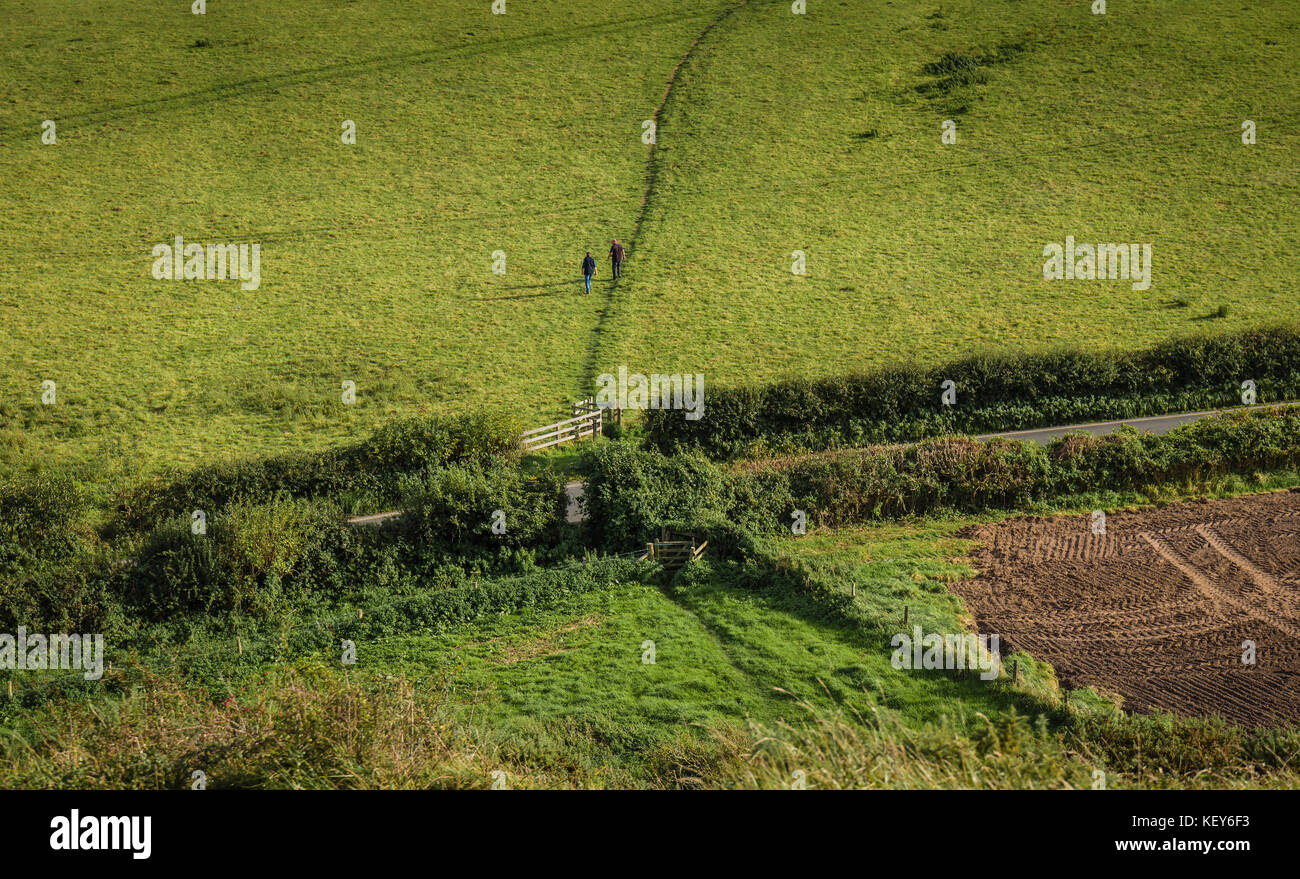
<point x="725" y="655"/>
<point x="752" y="680"/>
<point x="522" y="133"/>
<point x="475" y="133"/>
<point x="568" y="687"/>
<point x="821" y="133"/>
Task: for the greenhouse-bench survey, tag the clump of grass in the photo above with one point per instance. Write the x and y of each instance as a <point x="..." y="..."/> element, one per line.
<point x="1008" y="751"/>
<point x="957" y="73"/>
<point x="953" y="70"/>
<point x="302" y="727"/>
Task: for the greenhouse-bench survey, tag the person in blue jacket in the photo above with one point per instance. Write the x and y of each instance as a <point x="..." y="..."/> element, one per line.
<point x="588" y="270"/>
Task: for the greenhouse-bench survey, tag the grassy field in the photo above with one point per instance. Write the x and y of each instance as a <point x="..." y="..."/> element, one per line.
<point x="522" y="133"/>
<point x="567" y="694"/>
<point x="475" y="133"/>
<point x="823" y="134"/>
<point x="747" y="687"/>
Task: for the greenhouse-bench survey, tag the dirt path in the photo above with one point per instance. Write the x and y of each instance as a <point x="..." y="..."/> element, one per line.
<point x="647" y="195"/>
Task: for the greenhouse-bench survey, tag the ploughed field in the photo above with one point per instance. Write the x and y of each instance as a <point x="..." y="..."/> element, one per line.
<point x="1158" y="607"/>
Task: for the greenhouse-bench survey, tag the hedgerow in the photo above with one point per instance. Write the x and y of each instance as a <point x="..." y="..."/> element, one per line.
<point x="994" y="393"/>
<point x="50" y="571"/>
<point x="262" y="557"/>
<point x="373" y="467"/>
<point x="630" y="491"/>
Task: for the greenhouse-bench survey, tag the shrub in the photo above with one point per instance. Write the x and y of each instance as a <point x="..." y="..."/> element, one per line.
<point x="76" y="596"/>
<point x="632" y="492"/>
<point x="264" y="557"/>
<point x="419" y="443"/>
<point x="454" y="507"/>
<point x="994" y="393"/>
<point x="41" y="514"/>
<point x="254" y="558"/>
<point x="372" y="467"/>
<point x="50" y="579"/>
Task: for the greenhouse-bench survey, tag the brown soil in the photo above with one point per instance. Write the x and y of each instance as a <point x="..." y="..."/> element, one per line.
<point x="1157" y="608"/>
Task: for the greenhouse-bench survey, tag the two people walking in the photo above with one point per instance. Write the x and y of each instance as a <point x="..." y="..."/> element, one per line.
<point x="616" y="257"/>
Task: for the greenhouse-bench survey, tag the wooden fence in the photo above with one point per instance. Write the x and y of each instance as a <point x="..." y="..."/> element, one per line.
<point x="588" y="422"/>
<point x="674" y="554"/>
<point x="587" y="406"/>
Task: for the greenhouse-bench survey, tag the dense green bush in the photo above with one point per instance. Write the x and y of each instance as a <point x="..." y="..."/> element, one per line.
<point x="50" y="576"/>
<point x="453" y="508"/>
<point x="38" y="514"/>
<point x="260" y="558"/>
<point x="253" y="558"/>
<point x="632" y="491"/>
<point x="76" y="595"/>
<point x="994" y="393"/>
<point x="948" y="473"/>
<point x="417" y="443"/>
<point x="373" y="467"/>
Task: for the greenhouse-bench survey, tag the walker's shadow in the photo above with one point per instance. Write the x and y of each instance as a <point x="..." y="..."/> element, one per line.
<point x="575" y="284"/>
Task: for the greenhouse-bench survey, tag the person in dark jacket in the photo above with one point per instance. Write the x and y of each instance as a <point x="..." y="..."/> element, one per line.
<point x="616" y="257"/>
<point x="588" y="270"/>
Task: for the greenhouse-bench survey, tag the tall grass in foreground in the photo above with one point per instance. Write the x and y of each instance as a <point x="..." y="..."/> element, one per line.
<point x="830" y="750"/>
<point x="305" y="727"/>
<point x="313" y="727"/>
<point x="309" y="726"/>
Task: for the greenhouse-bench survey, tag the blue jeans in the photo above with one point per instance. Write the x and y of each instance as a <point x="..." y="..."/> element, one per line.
<point x="587" y="278"/>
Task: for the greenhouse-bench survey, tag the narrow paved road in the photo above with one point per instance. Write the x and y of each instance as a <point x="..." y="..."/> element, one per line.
<point x="574" y="491"/>
<point x="1154" y="424"/>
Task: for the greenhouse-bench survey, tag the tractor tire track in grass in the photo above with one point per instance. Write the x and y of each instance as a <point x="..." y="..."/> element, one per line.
<point x="262" y="84"/>
<point x="586" y="379"/>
